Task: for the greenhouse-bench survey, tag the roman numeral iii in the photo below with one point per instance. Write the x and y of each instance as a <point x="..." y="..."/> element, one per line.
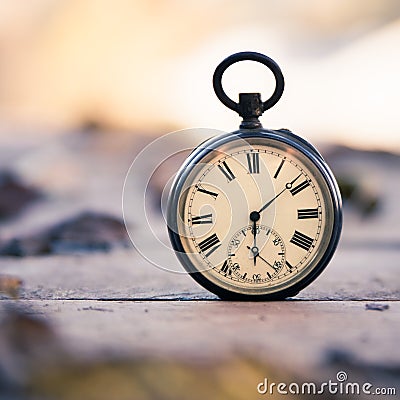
<point x="301" y="240"/>
<point x="307" y="213"/>
<point x="253" y="162"/>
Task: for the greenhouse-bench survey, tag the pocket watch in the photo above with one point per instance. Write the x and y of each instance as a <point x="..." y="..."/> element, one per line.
<point x="254" y="214"/>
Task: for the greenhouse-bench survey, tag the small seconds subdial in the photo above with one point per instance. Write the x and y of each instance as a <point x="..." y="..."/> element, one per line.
<point x="256" y="256"/>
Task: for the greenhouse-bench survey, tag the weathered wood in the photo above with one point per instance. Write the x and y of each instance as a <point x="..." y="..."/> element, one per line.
<point x="354" y="274"/>
<point x="299" y="334"/>
<point x="302" y="340"/>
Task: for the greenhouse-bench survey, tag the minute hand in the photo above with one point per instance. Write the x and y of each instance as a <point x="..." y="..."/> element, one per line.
<point x="287" y="186"/>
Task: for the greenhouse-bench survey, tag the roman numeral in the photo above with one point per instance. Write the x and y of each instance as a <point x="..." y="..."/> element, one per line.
<point x="210" y="242"/>
<point x="299" y="187"/>
<point x="307" y="213"/>
<point x="253" y="161"/>
<point x="279" y="169"/>
<point x="202" y="190"/>
<point x="289" y="266"/>
<point x="301" y="240"/>
<point x="202" y="219"/>
<point x="226" y="171"/>
<point x="225" y="268"/>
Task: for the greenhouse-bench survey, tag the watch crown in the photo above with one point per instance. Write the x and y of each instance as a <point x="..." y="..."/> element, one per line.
<point x="250" y="107"/>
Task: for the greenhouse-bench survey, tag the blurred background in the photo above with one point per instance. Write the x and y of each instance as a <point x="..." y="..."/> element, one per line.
<point x="86" y="84"/>
<point x="147" y="65"/>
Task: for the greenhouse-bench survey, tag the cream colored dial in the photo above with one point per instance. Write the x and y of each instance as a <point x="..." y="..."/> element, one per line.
<point x="291" y="198"/>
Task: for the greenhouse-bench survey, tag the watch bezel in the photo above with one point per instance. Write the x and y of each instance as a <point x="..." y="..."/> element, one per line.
<point x="198" y="154"/>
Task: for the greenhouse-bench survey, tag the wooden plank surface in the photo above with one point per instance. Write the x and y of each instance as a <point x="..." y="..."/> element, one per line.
<point x="354" y="274"/>
<point x="296" y="334"/>
<point x="299" y="341"/>
<point x="118" y="316"/>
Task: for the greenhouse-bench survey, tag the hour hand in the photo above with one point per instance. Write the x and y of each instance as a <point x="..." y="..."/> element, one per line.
<point x="254" y="234"/>
<point x="254" y="216"/>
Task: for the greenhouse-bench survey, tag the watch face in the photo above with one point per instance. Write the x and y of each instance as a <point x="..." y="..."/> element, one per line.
<point x="252" y="216"/>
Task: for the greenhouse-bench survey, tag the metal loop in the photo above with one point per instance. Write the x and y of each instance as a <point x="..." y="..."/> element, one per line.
<point x="248" y="56"/>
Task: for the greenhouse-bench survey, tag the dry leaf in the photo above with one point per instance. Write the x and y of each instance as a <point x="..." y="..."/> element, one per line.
<point x="10" y="285"/>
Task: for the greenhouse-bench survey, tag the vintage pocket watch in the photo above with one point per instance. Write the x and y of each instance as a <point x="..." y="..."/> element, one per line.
<point x="254" y="214"/>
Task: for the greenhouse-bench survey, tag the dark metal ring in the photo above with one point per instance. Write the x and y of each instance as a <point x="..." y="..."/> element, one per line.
<point x="249" y="56"/>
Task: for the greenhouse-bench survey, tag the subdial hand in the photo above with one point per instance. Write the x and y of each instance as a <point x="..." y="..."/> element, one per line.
<point x="287" y="186"/>
<point x="262" y="258"/>
<point x="256" y="254"/>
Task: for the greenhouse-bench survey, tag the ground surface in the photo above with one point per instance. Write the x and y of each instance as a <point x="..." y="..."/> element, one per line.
<point x="110" y="325"/>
